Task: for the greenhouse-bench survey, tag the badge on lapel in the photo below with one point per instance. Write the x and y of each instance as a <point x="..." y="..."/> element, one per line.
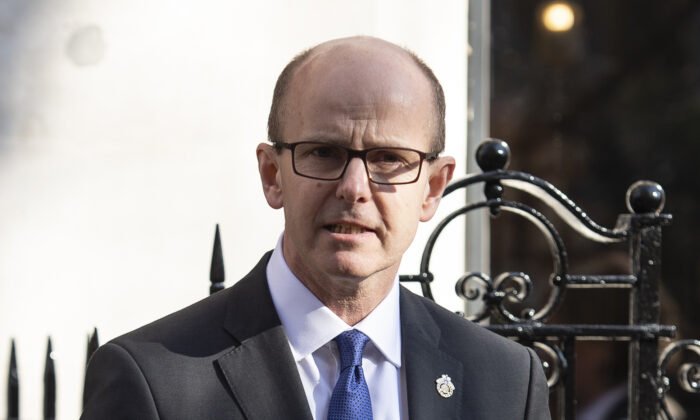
<point x="444" y="386"/>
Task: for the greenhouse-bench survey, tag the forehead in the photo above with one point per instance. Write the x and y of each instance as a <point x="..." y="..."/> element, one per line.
<point x="371" y="86"/>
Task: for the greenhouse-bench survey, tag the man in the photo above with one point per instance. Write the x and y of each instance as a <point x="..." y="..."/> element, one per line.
<point x="320" y="327"/>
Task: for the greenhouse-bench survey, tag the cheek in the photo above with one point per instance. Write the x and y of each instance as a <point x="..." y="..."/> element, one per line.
<point x="303" y="200"/>
<point x="402" y="214"/>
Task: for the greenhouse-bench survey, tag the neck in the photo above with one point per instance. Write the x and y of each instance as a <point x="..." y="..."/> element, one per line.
<point x="350" y="297"/>
<point x="355" y="301"/>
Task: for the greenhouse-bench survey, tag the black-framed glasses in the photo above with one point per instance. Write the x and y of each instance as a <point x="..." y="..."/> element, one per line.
<point x="384" y="165"/>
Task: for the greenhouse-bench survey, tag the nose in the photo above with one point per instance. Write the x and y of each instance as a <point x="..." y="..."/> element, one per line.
<point x="354" y="185"/>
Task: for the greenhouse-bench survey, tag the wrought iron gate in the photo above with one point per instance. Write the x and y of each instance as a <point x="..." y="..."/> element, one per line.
<point x="648" y="382"/>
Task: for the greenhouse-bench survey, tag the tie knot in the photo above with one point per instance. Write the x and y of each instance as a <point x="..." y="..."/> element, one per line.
<point x="351" y="344"/>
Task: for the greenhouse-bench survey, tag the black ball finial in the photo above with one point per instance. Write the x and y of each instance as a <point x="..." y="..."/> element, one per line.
<point x="645" y="197"/>
<point x="493" y="154"/>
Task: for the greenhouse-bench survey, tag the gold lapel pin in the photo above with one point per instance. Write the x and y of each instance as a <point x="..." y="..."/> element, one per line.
<point x="444" y="386"/>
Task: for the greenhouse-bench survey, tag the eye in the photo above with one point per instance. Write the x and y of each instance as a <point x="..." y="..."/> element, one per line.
<point x="319" y="151"/>
<point x="323" y="151"/>
<point x="387" y="157"/>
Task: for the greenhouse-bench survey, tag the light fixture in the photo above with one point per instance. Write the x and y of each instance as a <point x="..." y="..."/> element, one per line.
<point x="558" y="16"/>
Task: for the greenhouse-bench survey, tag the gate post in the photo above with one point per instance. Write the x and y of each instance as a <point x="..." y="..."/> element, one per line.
<point x="645" y="199"/>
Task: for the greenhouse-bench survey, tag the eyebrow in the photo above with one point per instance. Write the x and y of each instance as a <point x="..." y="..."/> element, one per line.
<point x="338" y="141"/>
<point x="326" y="139"/>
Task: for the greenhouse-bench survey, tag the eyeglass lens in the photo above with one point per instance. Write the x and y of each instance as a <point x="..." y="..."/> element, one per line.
<point x="385" y="165"/>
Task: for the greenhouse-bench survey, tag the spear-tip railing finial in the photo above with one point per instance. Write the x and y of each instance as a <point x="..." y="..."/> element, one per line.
<point x="216" y="274"/>
<point x="49" y="383"/>
<point x="13" y="385"/>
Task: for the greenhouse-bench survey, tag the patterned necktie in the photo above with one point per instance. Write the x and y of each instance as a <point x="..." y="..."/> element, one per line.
<point x="350" y="399"/>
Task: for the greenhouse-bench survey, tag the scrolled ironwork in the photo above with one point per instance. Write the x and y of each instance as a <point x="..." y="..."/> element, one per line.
<point x="565" y="208"/>
<point x="555" y="363"/>
<point x="464" y="290"/>
<point x="512" y="286"/>
<point x="688" y="373"/>
<point x="515" y="287"/>
<point x="471" y="293"/>
<point x="507" y="286"/>
<point x="689" y="377"/>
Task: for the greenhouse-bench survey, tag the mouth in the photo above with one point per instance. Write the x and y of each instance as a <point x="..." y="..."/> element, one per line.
<point x="346" y="228"/>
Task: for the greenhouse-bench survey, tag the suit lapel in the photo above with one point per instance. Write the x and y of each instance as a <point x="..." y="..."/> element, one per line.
<point x="261" y="371"/>
<point x="264" y="379"/>
<point x="425" y="362"/>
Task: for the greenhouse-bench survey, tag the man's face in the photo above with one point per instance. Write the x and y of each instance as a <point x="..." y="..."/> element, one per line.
<point x="347" y="230"/>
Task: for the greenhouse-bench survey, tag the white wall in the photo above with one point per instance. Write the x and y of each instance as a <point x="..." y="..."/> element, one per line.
<point x="128" y="129"/>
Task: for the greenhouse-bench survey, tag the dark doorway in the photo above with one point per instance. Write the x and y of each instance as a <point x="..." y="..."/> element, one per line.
<point x="592" y="109"/>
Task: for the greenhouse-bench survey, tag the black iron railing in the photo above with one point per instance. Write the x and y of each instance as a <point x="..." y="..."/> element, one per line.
<point x="216" y="278"/>
<point x="49" y="391"/>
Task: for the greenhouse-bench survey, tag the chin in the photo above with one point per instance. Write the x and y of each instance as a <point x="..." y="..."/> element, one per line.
<point x="353" y="266"/>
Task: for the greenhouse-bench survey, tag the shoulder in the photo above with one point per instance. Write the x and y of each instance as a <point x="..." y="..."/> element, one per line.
<point x="193" y="320"/>
<point x="168" y="367"/>
<point x="463" y="337"/>
<point x="205" y="321"/>
<point x="127" y="377"/>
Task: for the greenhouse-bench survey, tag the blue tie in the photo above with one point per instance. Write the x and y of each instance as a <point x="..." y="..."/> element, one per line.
<point x="350" y="399"/>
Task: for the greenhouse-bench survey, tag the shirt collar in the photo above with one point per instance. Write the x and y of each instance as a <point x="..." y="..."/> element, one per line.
<point x="309" y="324"/>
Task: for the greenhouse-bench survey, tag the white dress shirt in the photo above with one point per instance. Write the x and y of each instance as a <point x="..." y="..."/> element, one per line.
<point x="311" y="327"/>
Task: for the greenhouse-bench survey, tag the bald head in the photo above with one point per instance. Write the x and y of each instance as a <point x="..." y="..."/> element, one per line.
<point x="367" y="68"/>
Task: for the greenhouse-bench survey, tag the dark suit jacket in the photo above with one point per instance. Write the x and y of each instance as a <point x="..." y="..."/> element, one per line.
<point x="227" y="357"/>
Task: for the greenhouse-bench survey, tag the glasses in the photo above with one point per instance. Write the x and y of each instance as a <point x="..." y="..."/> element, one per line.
<point x="384" y="165"/>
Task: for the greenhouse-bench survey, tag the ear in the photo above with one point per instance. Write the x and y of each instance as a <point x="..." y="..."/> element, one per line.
<point x="440" y="174"/>
<point x="268" y="166"/>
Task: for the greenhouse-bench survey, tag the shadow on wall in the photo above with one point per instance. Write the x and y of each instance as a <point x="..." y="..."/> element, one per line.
<point x="14" y="15"/>
<point x="26" y="46"/>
